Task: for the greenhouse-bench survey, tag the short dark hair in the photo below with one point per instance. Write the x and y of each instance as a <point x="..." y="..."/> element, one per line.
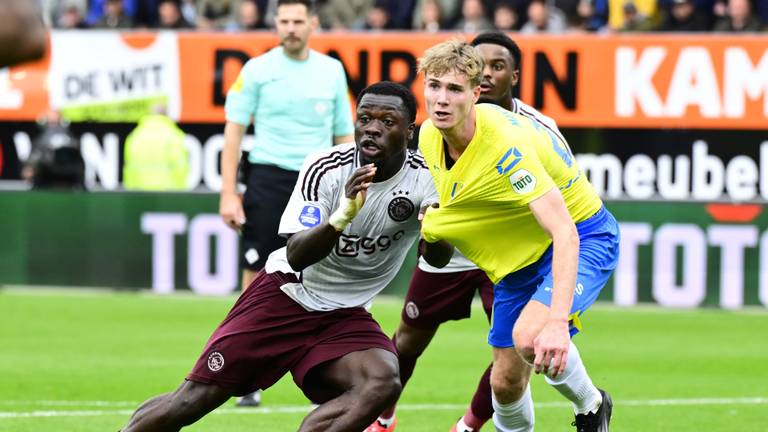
<point x="389" y="88"/>
<point x="501" y="39"/>
<point x="310" y="4"/>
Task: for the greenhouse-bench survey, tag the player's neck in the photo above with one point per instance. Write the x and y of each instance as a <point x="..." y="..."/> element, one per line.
<point x="506" y="101"/>
<point x="459" y="136"/>
<point x="387" y="168"/>
<point x="299" y="55"/>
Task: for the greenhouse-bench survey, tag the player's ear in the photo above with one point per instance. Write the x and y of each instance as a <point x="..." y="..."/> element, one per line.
<point x="515" y="77"/>
<point x="411" y="130"/>
<point x="314" y="22"/>
<point x="476" y="93"/>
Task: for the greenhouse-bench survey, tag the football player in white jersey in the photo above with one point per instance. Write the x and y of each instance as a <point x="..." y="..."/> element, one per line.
<point x="352" y="217"/>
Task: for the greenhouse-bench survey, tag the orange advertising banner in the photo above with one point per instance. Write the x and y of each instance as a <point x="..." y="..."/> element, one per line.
<point x="638" y="81"/>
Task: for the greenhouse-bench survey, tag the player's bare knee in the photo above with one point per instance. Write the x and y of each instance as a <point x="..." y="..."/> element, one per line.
<point x="383" y="388"/>
<point x="524" y="343"/>
<point x="508" y="387"/>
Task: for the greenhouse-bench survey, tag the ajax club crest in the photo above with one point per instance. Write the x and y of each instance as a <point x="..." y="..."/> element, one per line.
<point x="400" y="208"/>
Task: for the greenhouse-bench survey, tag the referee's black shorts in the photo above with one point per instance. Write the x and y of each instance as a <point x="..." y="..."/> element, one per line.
<point x="268" y="189"/>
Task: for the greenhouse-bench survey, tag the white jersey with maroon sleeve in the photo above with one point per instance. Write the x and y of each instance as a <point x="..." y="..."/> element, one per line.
<point x="371" y="249"/>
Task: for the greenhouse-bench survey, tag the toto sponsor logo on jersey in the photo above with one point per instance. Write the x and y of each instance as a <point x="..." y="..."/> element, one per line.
<point x="215" y="361"/>
<point x="522" y="181"/>
<point x="400" y="209"/>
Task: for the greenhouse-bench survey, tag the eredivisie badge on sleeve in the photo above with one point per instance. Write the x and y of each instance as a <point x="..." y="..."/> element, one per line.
<point x="310" y="216"/>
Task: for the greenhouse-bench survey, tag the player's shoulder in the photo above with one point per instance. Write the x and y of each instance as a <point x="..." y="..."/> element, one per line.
<point x="337" y="155"/>
<point x="532" y="113"/>
<point x="498" y="116"/>
<point x="414" y="160"/>
<point x="325" y="60"/>
<point x="326" y="165"/>
<point x="263" y="58"/>
<point x="256" y="67"/>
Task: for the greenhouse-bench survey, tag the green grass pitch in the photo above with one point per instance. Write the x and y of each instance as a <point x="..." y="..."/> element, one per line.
<point x="77" y="361"/>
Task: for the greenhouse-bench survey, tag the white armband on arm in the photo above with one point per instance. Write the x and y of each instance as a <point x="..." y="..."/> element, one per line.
<point x="348" y="209"/>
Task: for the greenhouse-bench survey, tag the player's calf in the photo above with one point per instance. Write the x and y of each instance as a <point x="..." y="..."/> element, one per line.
<point x="172" y="411"/>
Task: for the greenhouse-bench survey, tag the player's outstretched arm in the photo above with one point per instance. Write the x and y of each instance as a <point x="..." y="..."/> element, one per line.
<point x="22" y="35"/>
<point x="310" y="246"/>
<point x="436" y="253"/>
<point x="552" y="343"/>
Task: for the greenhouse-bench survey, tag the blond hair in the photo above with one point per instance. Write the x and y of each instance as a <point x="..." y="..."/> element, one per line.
<point x="453" y="56"/>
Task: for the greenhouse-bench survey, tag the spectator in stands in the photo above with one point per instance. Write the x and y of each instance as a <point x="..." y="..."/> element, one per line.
<point x="343" y="14"/>
<point x="646" y="11"/>
<point x="114" y="16"/>
<point x="634" y="21"/>
<point x="156" y="157"/>
<point x="53" y="10"/>
<point x="98" y="8"/>
<point x="473" y="19"/>
<point x="189" y="10"/>
<point x="450" y="11"/>
<point x="248" y="17"/>
<point x="591" y="15"/>
<point x="55" y="160"/>
<point x="72" y="17"/>
<point x="401" y="13"/>
<point x="505" y="17"/>
<point x="431" y="16"/>
<point x="544" y="18"/>
<point x="684" y="17"/>
<point x="146" y="14"/>
<point x="761" y="10"/>
<point x="739" y="18"/>
<point x="376" y="19"/>
<point x="170" y="17"/>
<point x="216" y="14"/>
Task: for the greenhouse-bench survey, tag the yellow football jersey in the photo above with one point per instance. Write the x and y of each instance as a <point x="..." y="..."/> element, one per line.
<point x="484" y="196"/>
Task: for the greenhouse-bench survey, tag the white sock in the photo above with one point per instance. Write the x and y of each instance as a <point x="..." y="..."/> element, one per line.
<point x="516" y="416"/>
<point x="575" y="384"/>
<point x="462" y="427"/>
<point x="386" y="422"/>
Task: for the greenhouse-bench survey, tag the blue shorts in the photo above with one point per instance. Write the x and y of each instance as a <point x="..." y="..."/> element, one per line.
<point x="598" y="255"/>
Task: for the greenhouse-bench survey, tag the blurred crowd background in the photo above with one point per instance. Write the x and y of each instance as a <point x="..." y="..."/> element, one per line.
<point x="470" y="16"/>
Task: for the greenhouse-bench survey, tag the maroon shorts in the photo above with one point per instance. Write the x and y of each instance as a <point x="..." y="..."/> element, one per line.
<point x="267" y="334"/>
<point x="434" y="298"/>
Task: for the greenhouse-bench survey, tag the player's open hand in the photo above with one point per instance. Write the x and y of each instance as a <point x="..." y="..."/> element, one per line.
<point x="231" y="210"/>
<point x="359" y="182"/>
<point x="551" y="348"/>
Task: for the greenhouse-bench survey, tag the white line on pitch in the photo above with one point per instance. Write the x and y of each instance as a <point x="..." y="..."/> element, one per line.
<point x="305" y="408"/>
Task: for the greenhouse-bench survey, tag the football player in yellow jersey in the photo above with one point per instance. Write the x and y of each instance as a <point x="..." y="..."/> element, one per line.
<point x="513" y="200"/>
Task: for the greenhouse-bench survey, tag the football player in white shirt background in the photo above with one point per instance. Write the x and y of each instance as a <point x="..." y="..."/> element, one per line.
<point x="352" y="217"/>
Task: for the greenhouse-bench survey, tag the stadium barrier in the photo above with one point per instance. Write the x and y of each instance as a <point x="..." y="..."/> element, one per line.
<point x="670" y="130"/>
<point x="685" y="254"/>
